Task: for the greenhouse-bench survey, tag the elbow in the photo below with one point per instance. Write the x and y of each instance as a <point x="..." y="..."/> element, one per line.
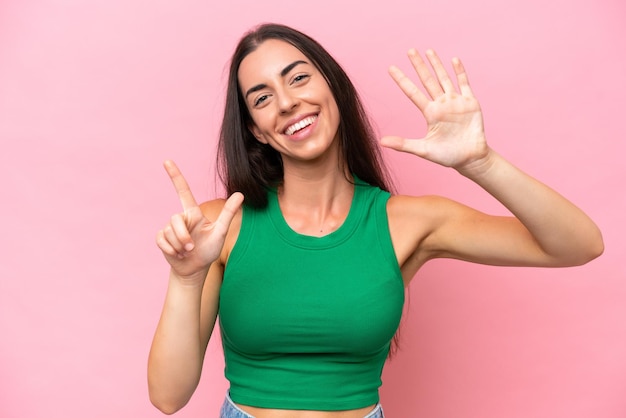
<point x="596" y="246"/>
<point x="166" y="406"/>
<point x="164" y="400"/>
<point x="579" y="252"/>
<point x="597" y="249"/>
<point x="167" y="392"/>
<point x="592" y="250"/>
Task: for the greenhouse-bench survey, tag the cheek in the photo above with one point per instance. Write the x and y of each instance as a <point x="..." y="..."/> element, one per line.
<point x="257" y="130"/>
<point x="260" y="119"/>
<point x="334" y="110"/>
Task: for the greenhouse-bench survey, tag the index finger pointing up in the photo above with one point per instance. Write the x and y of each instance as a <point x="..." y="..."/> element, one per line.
<point x="180" y="184"/>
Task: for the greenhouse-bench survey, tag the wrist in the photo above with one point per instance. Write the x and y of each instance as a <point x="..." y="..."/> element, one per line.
<point x="479" y="167"/>
<point x="190" y="280"/>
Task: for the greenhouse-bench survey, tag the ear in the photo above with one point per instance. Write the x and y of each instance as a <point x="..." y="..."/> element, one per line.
<point x="257" y="133"/>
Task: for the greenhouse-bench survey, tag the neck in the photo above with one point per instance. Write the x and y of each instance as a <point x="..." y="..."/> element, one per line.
<point x="310" y="185"/>
<point x="315" y="202"/>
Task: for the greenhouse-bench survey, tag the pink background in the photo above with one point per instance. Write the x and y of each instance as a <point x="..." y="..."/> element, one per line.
<point x="94" y="95"/>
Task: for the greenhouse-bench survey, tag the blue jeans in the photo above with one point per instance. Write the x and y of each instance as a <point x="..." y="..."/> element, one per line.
<point x="230" y="410"/>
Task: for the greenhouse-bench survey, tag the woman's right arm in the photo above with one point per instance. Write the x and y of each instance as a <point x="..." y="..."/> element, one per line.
<point x="194" y="248"/>
<point x="181" y="338"/>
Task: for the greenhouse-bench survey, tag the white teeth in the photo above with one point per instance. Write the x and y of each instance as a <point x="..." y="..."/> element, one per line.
<point x="300" y="125"/>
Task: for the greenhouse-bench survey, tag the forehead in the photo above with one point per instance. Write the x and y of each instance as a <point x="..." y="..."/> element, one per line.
<point x="267" y="61"/>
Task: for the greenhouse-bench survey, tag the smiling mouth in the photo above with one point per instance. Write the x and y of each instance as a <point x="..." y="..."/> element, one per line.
<point x="300" y="125"/>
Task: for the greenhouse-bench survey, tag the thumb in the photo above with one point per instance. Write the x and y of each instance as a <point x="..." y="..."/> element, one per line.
<point x="228" y="212"/>
<point x="398" y="143"/>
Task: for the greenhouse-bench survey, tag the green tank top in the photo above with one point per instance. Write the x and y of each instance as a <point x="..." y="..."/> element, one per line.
<point x="306" y="322"/>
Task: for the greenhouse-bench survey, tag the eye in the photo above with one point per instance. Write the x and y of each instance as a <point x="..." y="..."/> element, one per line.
<point x="260" y="100"/>
<point x="299" y="78"/>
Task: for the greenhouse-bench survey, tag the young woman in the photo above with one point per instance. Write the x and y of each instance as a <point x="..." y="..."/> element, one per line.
<point x="308" y="275"/>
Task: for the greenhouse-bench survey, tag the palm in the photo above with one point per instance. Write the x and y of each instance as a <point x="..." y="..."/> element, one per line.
<point x="455" y="135"/>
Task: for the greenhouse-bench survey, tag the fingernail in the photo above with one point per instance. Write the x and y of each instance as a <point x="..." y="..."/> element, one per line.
<point x="188" y="246"/>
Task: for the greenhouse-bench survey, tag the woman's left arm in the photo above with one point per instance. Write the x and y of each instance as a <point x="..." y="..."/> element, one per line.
<point x="553" y="231"/>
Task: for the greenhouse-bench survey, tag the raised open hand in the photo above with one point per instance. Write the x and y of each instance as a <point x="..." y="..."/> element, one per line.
<point x="455" y="136"/>
<point x="190" y="242"/>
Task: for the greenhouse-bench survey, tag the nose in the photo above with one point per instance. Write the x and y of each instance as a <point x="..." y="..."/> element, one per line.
<point x="287" y="102"/>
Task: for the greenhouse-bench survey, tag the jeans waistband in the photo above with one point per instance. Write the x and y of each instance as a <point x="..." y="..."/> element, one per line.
<point x="230" y="410"/>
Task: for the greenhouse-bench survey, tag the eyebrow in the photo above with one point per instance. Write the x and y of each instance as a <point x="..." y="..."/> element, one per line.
<point x="283" y="73"/>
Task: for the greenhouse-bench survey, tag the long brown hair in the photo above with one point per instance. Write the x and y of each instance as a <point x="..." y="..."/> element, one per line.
<point x="250" y="167"/>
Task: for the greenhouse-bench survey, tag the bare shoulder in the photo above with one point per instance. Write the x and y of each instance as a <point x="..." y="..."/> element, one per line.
<point x="211" y="210"/>
<point x="413" y="220"/>
<point x="430" y="209"/>
<point x="429" y="214"/>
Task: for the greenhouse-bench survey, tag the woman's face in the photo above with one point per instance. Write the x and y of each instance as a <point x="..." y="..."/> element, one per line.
<point x="292" y="107"/>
